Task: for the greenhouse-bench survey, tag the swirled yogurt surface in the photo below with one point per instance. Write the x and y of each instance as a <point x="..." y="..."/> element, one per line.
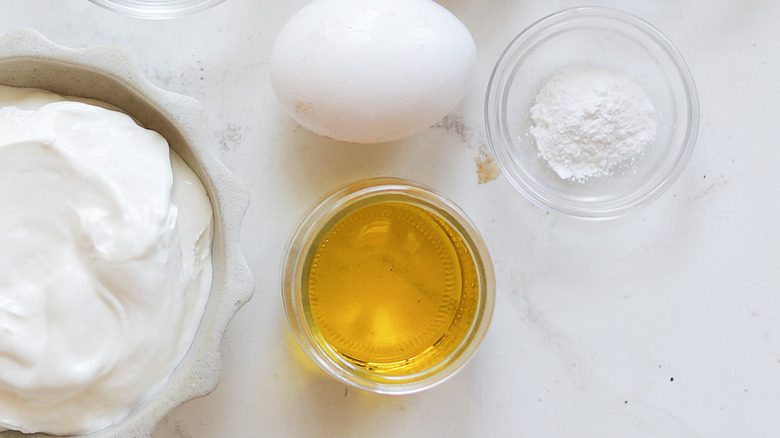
<point x="105" y="263"/>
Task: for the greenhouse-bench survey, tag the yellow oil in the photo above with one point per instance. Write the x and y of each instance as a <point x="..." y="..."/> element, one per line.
<point x="391" y="287"/>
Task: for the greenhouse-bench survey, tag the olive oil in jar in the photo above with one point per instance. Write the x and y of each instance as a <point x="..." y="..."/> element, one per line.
<point x="391" y="287"/>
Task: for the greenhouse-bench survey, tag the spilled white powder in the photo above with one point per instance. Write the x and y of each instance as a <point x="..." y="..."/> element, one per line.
<point x="588" y="120"/>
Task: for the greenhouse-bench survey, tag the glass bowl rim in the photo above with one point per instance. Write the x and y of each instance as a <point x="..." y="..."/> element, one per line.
<point x="168" y="10"/>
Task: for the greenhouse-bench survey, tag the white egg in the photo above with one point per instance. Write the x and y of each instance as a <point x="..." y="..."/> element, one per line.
<point x="370" y="71"/>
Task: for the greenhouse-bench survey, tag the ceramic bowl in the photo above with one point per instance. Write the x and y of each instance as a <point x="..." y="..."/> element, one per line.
<point x="27" y="59"/>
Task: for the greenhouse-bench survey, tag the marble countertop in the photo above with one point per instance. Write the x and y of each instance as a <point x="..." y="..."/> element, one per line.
<point x="665" y="322"/>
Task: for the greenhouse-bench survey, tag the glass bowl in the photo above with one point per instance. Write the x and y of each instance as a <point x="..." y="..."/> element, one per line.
<point x="387" y="286"/>
<point x="607" y="39"/>
<point x="156" y="9"/>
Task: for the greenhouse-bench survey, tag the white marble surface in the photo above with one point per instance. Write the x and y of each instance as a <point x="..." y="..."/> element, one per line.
<point x="662" y="323"/>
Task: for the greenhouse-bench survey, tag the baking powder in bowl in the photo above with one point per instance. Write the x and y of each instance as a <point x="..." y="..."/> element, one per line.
<point x="105" y="263"/>
<point x="587" y="120"/>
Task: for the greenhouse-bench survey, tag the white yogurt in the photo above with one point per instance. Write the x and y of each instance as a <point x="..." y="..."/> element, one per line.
<point x="105" y="262"/>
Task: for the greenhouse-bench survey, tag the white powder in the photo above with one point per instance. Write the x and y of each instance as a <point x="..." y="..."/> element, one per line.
<point x="588" y="120"/>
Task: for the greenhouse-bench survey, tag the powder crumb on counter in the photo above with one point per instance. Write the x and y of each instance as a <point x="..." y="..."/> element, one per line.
<point x="487" y="169"/>
<point x="586" y="121"/>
